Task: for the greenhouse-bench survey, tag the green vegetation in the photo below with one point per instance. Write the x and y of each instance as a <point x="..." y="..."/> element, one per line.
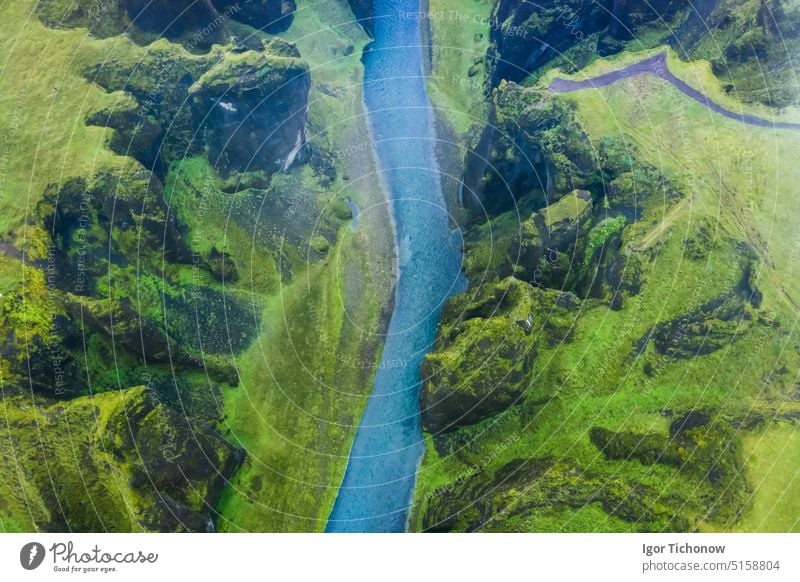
<point x="305" y="381"/>
<point x="231" y="285"/>
<point x="104" y="467"/>
<point x="771" y="458"/>
<point x="600" y="234"/>
<point x="666" y="396"/>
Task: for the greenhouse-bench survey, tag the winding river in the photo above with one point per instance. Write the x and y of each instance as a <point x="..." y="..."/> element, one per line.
<point x="378" y="485"/>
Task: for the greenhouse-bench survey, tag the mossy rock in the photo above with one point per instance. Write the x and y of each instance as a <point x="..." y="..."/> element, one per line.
<point x="254" y="109"/>
<point x="482" y="362"/>
<point x="117" y="466"/>
<point x="524" y="487"/>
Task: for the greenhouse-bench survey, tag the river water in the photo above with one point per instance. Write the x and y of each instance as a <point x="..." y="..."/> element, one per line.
<point x="378" y="485"/>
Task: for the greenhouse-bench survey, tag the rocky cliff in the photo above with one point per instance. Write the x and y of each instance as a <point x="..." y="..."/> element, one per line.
<point x="540" y="395"/>
<point x="197" y="24"/>
<point x="363" y="11"/>
<point x="735" y="35"/>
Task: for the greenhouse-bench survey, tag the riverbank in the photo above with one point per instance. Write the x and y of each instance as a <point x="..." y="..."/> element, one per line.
<point x="307" y="379"/>
<point x="378" y="485"/>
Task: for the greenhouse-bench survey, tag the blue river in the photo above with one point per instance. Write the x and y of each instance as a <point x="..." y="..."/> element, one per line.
<point x="378" y="485"/>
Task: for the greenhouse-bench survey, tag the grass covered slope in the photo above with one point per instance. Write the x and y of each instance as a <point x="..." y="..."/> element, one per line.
<point x="176" y="217"/>
<point x="664" y="365"/>
<point x="458" y="42"/>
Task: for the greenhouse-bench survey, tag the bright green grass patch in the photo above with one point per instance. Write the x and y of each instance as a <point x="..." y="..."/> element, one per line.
<point x="460" y="37"/>
<point x="44" y="102"/>
<point x="772" y="458"/>
<point x="193" y="192"/>
<point x="739" y="179"/>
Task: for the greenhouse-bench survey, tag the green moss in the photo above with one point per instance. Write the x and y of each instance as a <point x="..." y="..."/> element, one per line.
<point x="261" y="70"/>
<point x="600" y="234"/>
<point x="569" y="208"/>
<point x="45" y="112"/>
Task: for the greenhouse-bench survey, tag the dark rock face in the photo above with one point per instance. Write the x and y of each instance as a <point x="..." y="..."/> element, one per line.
<point x="175" y="18"/>
<point x="527" y="35"/>
<point x="130" y="330"/>
<point x="84" y="222"/>
<point x="533" y="147"/>
<point x="254" y="107"/>
<point x="116" y="204"/>
<point x="491" y="378"/>
<point x="645" y="448"/>
<point x="272" y="16"/>
<point x="158" y="125"/>
<point x="247" y="109"/>
<point x="49" y="364"/>
<point x="688" y="421"/>
<point x="363" y="11"/>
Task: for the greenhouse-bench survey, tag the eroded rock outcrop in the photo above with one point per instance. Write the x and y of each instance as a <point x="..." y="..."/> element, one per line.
<point x="253" y="107"/>
<point x="125" y="460"/>
<point x="483" y="362"/>
<point x="526" y="37"/>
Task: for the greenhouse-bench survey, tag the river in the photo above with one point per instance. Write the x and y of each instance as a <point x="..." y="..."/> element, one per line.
<point x="378" y="485"/>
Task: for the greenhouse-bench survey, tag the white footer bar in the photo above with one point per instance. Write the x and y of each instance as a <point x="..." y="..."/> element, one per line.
<point x="410" y="558"/>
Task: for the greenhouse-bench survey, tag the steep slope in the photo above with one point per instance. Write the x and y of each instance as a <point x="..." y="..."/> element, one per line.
<point x="171" y="198"/>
